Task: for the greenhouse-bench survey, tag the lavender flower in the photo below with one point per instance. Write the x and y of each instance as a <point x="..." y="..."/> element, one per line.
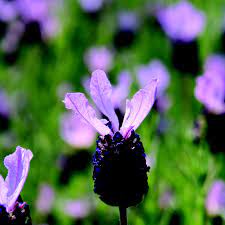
<point x="45" y="199"/>
<point x="99" y="58"/>
<point x="154" y="70"/>
<point x="210" y="87"/>
<point x="215" y="201"/>
<point x="5" y="111"/>
<point x="75" y="132"/>
<point x="182" y="21"/>
<point x="91" y="6"/>
<point x="128" y="24"/>
<point x="77" y="209"/>
<point x="8" y="11"/>
<point x="120" y="170"/>
<point x="12" y="208"/>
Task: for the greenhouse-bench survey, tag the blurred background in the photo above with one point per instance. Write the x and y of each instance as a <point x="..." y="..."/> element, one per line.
<point x="50" y="47"/>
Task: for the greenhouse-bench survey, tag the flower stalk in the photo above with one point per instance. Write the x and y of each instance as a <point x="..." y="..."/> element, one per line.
<point x="123" y="215"/>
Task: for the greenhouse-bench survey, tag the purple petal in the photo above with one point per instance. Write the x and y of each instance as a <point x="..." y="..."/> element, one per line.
<point x="3" y="192"/>
<point x="79" y="104"/>
<point x="18" y="165"/>
<point x="121" y="90"/>
<point x="91" y="5"/>
<point x="128" y="20"/>
<point x="138" y="108"/>
<point x="75" y="132"/>
<point x="101" y="92"/>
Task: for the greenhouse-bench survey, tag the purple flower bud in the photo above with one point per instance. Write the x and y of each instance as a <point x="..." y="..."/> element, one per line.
<point x="154" y="70"/>
<point x="215" y="201"/>
<point x="91" y="6"/>
<point x="45" y="199"/>
<point x="182" y="21"/>
<point x="99" y="58"/>
<point x="75" y="132"/>
<point x="5" y="107"/>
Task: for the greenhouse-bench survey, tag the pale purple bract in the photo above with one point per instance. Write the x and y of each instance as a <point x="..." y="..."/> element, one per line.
<point x="136" y="109"/>
<point x="18" y="165"/>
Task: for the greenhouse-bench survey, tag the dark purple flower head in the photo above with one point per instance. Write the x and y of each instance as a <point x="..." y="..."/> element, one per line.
<point x="154" y="70"/>
<point x="101" y="91"/>
<point x="5" y="107"/>
<point x="215" y="201"/>
<point x="91" y="6"/>
<point x="98" y="58"/>
<point x="210" y="87"/>
<point x="128" y="20"/>
<point x="182" y="21"/>
<point x="75" y="132"/>
<point x="18" y="165"/>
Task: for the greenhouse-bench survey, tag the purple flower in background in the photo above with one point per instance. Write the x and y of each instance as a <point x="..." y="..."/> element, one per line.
<point x="5" y="108"/>
<point x="91" y="6"/>
<point x="166" y="199"/>
<point x="42" y="12"/>
<point x="77" y="208"/>
<point x="8" y="10"/>
<point x="121" y="90"/>
<point x="215" y="201"/>
<point x="210" y="87"/>
<point x="75" y="132"/>
<point x="45" y="199"/>
<point x="98" y="58"/>
<point x="128" y="20"/>
<point x="154" y="70"/>
<point x="18" y="165"/>
<point x="120" y="170"/>
<point x="182" y="21"/>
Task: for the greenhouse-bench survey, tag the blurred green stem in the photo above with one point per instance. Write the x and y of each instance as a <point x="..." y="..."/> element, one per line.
<point x="123" y="215"/>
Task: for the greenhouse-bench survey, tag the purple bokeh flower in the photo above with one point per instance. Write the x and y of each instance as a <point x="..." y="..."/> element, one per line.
<point x="128" y="20"/>
<point x="101" y="91"/>
<point x="75" y="132"/>
<point x="5" y="106"/>
<point x="41" y="11"/>
<point x="215" y="201"/>
<point x="98" y="58"/>
<point x="121" y="90"/>
<point x="154" y="70"/>
<point x="45" y="199"/>
<point x="91" y="6"/>
<point x="77" y="208"/>
<point x="8" y="11"/>
<point x="166" y="199"/>
<point x="182" y="21"/>
<point x="210" y="87"/>
<point x="18" y="165"/>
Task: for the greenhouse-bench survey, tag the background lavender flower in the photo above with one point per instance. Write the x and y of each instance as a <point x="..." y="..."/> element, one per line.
<point x="8" y="10"/>
<point x="182" y="21"/>
<point x="210" y="87"/>
<point x="98" y="58"/>
<point x="91" y="6"/>
<point x="75" y="132"/>
<point x="215" y="201"/>
<point x="5" y="111"/>
<point x="45" y="199"/>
